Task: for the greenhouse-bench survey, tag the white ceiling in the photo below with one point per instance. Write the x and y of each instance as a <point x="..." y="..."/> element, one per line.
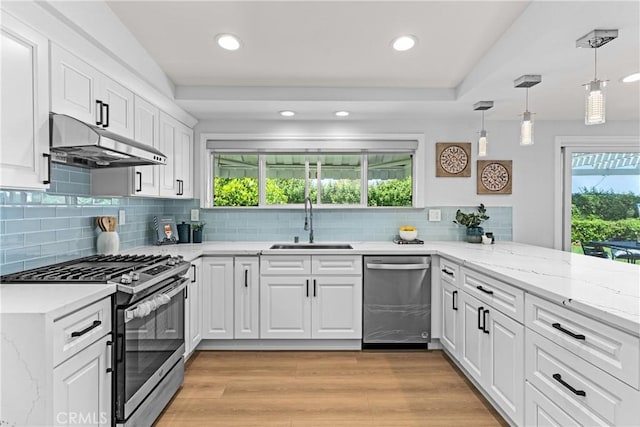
<point x="317" y="57"/>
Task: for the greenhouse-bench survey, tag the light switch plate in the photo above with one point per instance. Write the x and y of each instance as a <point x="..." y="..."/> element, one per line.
<point x="195" y="214"/>
<point x="121" y="217"/>
<point x="434" y="215"/>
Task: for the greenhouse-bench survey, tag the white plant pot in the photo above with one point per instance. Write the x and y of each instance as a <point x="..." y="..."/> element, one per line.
<point x="108" y="243"/>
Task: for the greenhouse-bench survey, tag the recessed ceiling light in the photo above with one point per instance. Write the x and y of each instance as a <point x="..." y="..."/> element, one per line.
<point x="403" y="43"/>
<point x="228" y="41"/>
<point x="341" y="113"/>
<point x="287" y="113"/>
<point x="632" y="78"/>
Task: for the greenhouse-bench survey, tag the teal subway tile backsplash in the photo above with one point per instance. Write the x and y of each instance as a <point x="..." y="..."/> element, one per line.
<point x="41" y="228"/>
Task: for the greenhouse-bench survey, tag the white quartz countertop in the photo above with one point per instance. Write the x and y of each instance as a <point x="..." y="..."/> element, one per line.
<point x="601" y="288"/>
<point x="53" y="300"/>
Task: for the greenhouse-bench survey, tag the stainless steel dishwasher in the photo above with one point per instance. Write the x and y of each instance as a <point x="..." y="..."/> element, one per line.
<point x="397" y="302"/>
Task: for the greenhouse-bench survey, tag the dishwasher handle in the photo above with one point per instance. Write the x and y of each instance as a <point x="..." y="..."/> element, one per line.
<point x="422" y="266"/>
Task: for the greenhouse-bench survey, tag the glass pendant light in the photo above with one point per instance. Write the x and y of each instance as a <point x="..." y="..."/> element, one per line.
<point x="595" y="93"/>
<point x="526" y="126"/>
<point x="482" y="141"/>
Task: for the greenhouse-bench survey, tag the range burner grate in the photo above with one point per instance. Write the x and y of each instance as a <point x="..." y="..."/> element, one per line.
<point x="399" y="241"/>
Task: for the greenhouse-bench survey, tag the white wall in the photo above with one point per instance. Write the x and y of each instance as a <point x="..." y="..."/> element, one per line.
<point x="534" y="185"/>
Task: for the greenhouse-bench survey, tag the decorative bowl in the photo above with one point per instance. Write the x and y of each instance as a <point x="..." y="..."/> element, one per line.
<point x="408" y="234"/>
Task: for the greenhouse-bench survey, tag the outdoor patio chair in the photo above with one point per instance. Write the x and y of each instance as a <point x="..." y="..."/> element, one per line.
<point x="594" y="249"/>
<point x="631" y="255"/>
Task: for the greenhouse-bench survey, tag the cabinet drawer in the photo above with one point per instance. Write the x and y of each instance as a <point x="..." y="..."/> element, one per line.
<point x="592" y="396"/>
<point x="540" y="411"/>
<point x="501" y="296"/>
<point x="610" y="349"/>
<point x="336" y="264"/>
<point x="449" y="271"/>
<point x="285" y="265"/>
<point x="80" y="329"/>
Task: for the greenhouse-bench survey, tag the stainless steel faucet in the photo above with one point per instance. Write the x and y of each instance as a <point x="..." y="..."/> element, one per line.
<point x="308" y="219"/>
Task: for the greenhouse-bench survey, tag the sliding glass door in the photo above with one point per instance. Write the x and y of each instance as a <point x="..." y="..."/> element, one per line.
<point x="601" y="196"/>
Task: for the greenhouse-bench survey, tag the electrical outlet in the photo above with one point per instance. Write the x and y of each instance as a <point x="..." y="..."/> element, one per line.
<point x="121" y="217"/>
<point x="434" y="215"/>
<point x="195" y="214"/>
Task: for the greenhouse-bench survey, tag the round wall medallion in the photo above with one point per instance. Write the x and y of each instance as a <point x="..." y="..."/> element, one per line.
<point x="494" y="176"/>
<point x="454" y="159"/>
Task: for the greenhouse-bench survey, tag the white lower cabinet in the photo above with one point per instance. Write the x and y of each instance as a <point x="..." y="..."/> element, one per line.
<point x="193" y="309"/>
<point x="217" y="297"/>
<point x="82" y="387"/>
<point x="303" y="296"/>
<point x="246" y="295"/>
<point x="57" y="366"/>
<point x="230" y="295"/>
<point x="450" y="309"/>
<point x="492" y="352"/>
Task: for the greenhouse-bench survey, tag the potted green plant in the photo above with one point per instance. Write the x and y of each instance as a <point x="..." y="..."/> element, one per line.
<point x="197" y="231"/>
<point x="472" y="221"/>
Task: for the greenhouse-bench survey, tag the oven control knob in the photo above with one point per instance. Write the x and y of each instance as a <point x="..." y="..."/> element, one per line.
<point x="135" y="276"/>
<point x="171" y="261"/>
<point x="125" y="279"/>
<point x="180" y="258"/>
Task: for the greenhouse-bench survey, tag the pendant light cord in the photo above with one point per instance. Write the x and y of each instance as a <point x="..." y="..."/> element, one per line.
<point x="595" y="63"/>
<point x="526" y="103"/>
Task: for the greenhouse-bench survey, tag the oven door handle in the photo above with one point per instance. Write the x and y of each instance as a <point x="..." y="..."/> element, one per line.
<point x="148" y="306"/>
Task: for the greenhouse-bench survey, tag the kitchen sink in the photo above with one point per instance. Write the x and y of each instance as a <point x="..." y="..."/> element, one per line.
<point x="311" y="246"/>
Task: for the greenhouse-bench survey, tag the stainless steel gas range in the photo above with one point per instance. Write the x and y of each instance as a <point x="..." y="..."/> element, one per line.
<point x="148" y="325"/>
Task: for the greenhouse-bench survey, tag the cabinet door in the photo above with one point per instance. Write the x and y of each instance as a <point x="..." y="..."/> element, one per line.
<point x="471" y="354"/>
<point x="336" y="310"/>
<point x="82" y="387"/>
<point x="184" y="160"/>
<point x="505" y="356"/>
<point x="450" y="303"/>
<point x="285" y="307"/>
<point x="118" y="100"/>
<point x="146" y="130"/>
<point x="168" y="183"/>
<point x="247" y="294"/>
<point x="73" y="86"/>
<point x="194" y="303"/>
<point x="217" y="298"/>
<point x="24" y="135"/>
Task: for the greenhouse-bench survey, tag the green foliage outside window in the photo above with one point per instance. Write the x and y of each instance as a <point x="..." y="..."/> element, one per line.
<point x="244" y="192"/>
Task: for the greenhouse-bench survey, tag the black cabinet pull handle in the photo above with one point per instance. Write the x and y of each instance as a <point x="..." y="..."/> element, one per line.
<point x="246" y="278"/>
<point x="180" y="187"/>
<point x="484" y="321"/>
<point x="558" y="378"/>
<point x="315" y="288"/>
<point x="307" y="288"/>
<point x="453" y="300"/>
<point x="194" y="273"/>
<point x="445" y="271"/>
<point x="186" y="291"/>
<point x="571" y="334"/>
<point x="106" y="125"/>
<point x="48" y="157"/>
<point x="139" y="175"/>
<point x="486" y="291"/>
<point x="99" y="108"/>
<point x="94" y="325"/>
<point x="480" y="309"/>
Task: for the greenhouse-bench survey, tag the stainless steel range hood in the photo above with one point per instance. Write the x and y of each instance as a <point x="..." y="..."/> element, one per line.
<point x="76" y="143"/>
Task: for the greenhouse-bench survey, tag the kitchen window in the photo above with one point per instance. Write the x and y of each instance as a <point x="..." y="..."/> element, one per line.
<point x="331" y="173"/>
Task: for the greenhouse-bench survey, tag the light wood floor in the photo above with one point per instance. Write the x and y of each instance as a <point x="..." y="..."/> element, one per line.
<point x="308" y="389"/>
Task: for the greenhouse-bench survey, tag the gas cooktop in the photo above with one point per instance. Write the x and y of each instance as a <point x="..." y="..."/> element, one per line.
<point x="131" y="272"/>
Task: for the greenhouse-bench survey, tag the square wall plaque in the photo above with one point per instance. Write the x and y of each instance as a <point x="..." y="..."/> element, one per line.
<point x="495" y="176"/>
<point x="453" y="159"/>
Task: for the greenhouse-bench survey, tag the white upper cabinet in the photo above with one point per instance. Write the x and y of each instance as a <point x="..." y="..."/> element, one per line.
<point x="81" y="91"/>
<point x="176" y="142"/>
<point x="24" y="138"/>
<point x="146" y="130"/>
